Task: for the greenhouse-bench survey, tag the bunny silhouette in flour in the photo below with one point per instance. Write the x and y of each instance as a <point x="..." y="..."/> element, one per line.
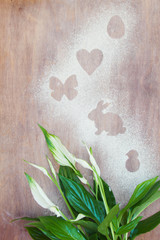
<point x="109" y="122"/>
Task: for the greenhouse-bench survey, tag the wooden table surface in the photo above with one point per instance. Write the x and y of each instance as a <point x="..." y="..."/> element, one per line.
<point x="85" y="70"/>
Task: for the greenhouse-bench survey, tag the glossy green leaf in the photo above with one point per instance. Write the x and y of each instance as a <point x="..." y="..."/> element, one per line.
<point x="87" y="224"/>
<point x="68" y="173"/>
<point x="128" y="227"/>
<point x="146" y="203"/>
<point x="61" y="228"/>
<point x="40" y="226"/>
<point x="150" y="193"/>
<point x="25" y="218"/>
<point x="140" y="191"/>
<point x="101" y="237"/>
<point x="102" y="228"/>
<point x="82" y="201"/>
<point x="108" y="193"/>
<point x="36" y="234"/>
<point x="93" y="237"/>
<point x="125" y="217"/>
<point x="146" y="225"/>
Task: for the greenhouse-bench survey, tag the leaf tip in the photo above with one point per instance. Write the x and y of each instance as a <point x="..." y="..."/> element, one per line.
<point x="43" y="129"/>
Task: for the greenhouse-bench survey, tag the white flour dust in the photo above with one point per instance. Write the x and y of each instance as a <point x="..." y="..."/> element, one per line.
<point x="111" y="150"/>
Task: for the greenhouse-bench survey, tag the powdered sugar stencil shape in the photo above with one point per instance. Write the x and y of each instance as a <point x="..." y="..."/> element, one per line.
<point x="94" y="86"/>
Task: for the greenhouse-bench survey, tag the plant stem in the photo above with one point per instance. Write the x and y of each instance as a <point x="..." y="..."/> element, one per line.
<point x="69" y="208"/>
<point x="107" y="236"/>
<point x="96" y="190"/>
<point x="66" y="201"/>
<point x="128" y="220"/>
<point x="64" y="216"/>
<point x="91" y="189"/>
<point x="105" y="202"/>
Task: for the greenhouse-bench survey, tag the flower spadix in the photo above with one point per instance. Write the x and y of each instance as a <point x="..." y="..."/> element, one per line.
<point x="58" y="150"/>
<point x="41" y="198"/>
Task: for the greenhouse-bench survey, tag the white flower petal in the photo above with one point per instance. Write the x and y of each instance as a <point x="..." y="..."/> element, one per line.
<point x="93" y="161"/>
<point x="52" y="168"/>
<point x="60" y="153"/>
<point x="61" y="148"/>
<point x="42" y="169"/>
<point x="79" y="217"/>
<point x="56" y="211"/>
<point x="83" y="163"/>
<point x="83" y="180"/>
<point x="60" y="158"/>
<point x="39" y="196"/>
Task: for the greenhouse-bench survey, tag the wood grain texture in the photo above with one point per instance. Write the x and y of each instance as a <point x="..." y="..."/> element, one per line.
<point x="32" y="37"/>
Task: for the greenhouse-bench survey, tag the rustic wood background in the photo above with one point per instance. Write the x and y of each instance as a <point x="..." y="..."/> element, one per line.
<point x="32" y="37"/>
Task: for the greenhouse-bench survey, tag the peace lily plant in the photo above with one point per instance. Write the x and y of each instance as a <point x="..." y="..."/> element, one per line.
<point x="95" y="215"/>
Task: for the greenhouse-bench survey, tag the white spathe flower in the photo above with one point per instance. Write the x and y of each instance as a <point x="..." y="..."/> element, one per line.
<point x="56" y="211"/>
<point x="42" y="169"/>
<point x="83" y="180"/>
<point x="59" y="151"/>
<point x="79" y="217"/>
<point x="63" y="149"/>
<point x="52" y="168"/>
<point x="92" y="160"/>
<point x="83" y="163"/>
<point x="60" y="158"/>
<point x="40" y="197"/>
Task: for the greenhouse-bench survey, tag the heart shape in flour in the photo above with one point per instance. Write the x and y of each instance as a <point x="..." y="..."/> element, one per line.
<point x="89" y="61"/>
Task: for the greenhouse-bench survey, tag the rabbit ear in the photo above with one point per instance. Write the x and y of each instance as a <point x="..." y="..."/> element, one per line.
<point x="100" y="104"/>
<point x="105" y="105"/>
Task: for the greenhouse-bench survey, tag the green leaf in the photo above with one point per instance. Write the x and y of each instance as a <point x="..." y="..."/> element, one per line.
<point x="125" y="217"/>
<point x="102" y="228"/>
<point x="109" y="194"/>
<point x="140" y="191"/>
<point x="137" y="210"/>
<point x="25" y="218"/>
<point x="61" y="228"/>
<point x="36" y="234"/>
<point x="90" y="227"/>
<point x="146" y="225"/>
<point x="151" y="192"/>
<point x="87" y="224"/>
<point x="82" y="201"/>
<point x="68" y="173"/>
<point x="93" y="237"/>
<point x="101" y="237"/>
<point x="128" y="227"/>
<point x="40" y="226"/>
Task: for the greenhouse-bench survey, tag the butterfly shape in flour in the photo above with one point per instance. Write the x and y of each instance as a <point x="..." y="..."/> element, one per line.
<point x="67" y="89"/>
